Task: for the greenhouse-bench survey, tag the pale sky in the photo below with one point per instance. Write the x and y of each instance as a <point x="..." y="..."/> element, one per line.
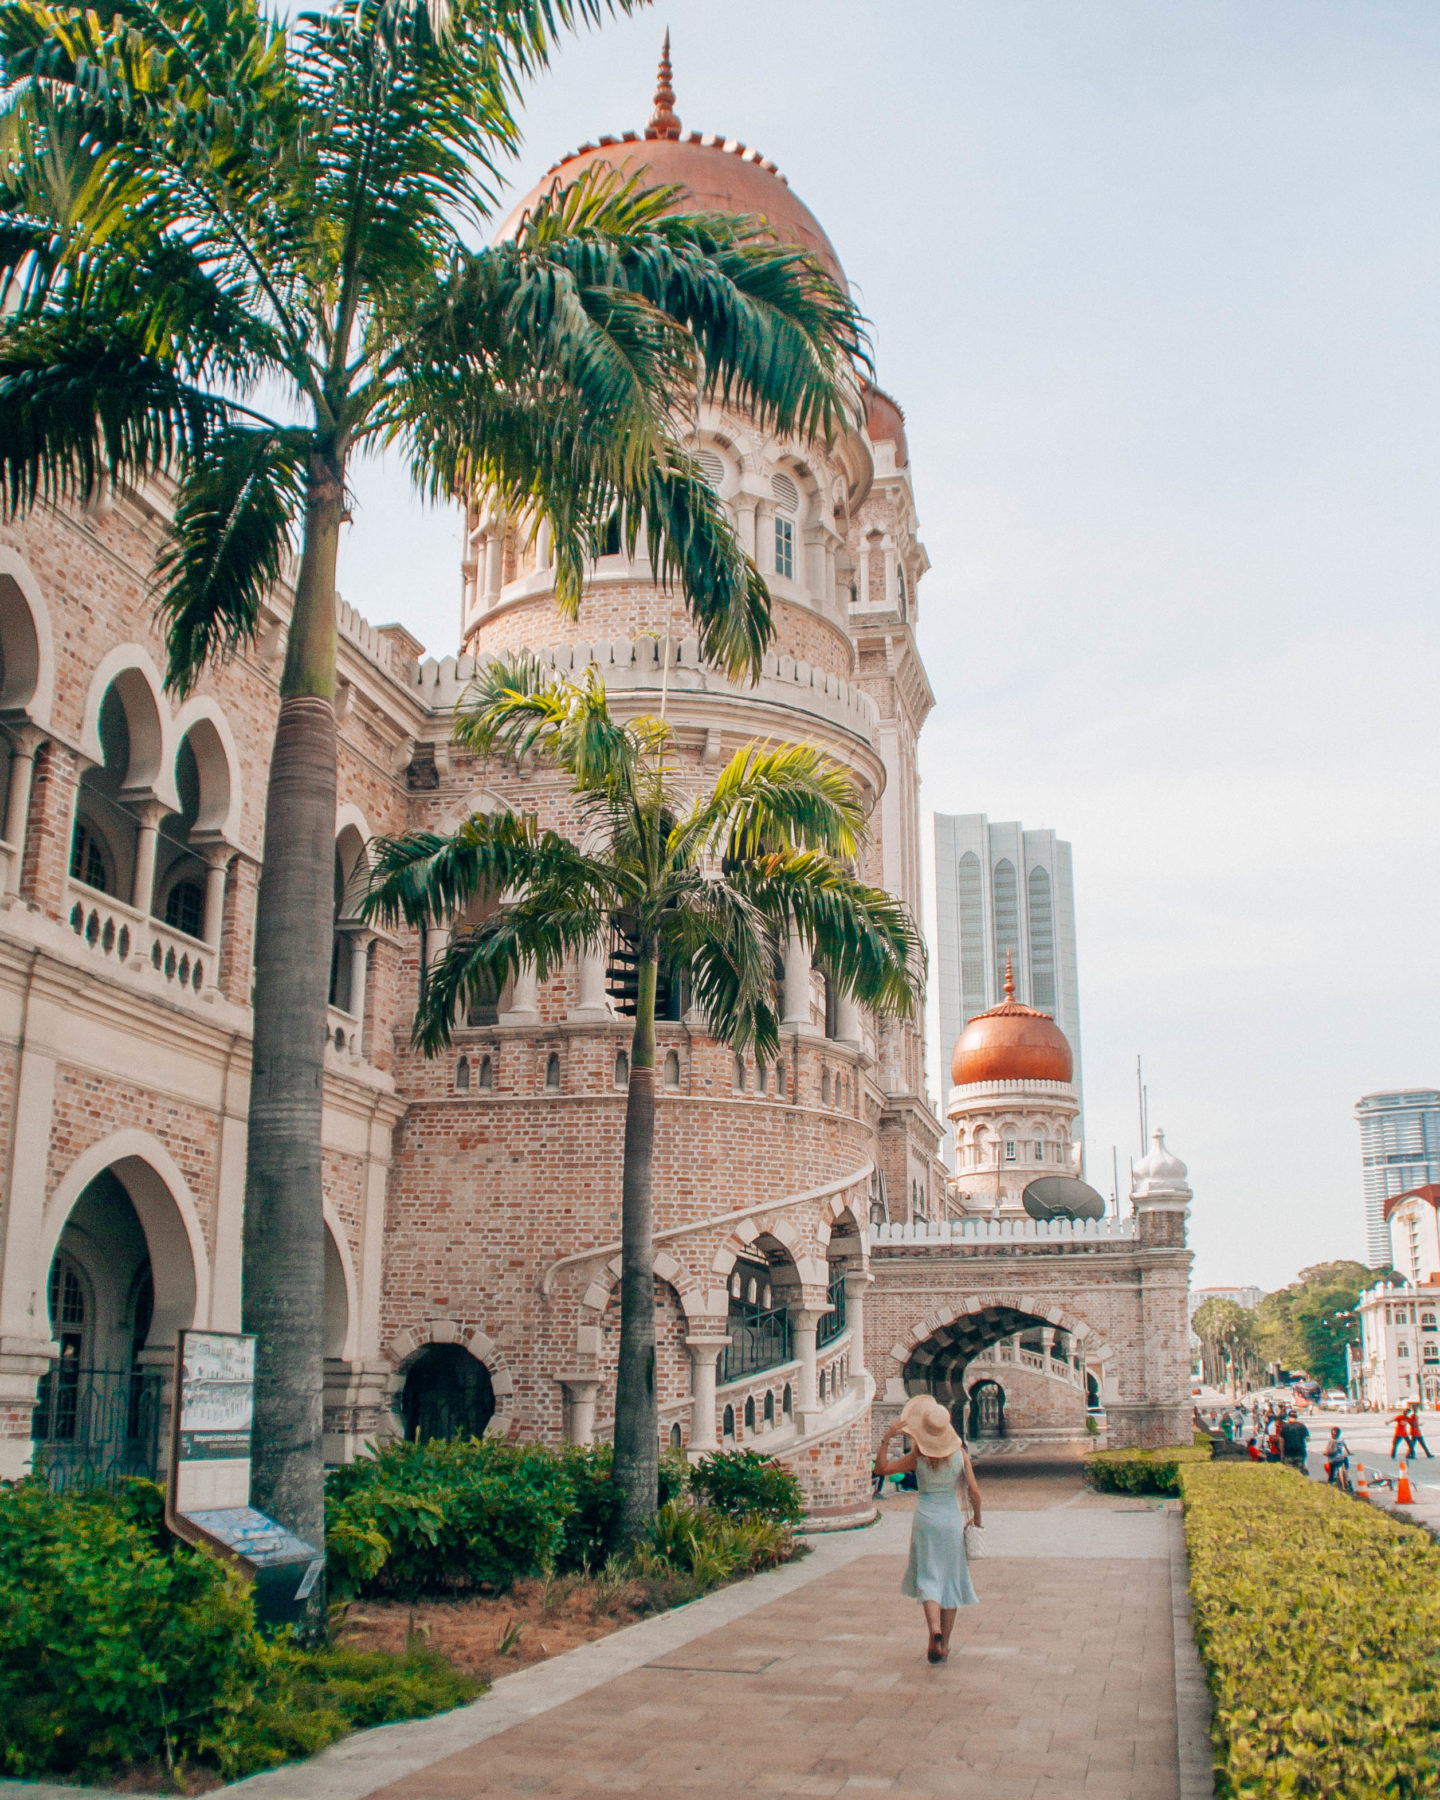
<point x="1156" y="285"/>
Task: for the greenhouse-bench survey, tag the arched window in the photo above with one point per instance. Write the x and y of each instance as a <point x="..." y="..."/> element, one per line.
<point x="1007" y="917"/>
<point x="821" y="1387"/>
<point x="622" y="1069"/>
<point x="780" y="1080"/>
<point x="972" y="936"/>
<point x="1042" y="941"/>
<point x="677" y="1441"/>
<point x="769" y="1407"/>
<point x="89" y="859"/>
<point x="447" y="1394"/>
<point x="487" y="1073"/>
<point x="739" y="1075"/>
<point x="462" y="1073"/>
<point x="727" y="1424"/>
<point x="552" y="1073"/>
<point x="824" y="1087"/>
<point x="786" y="1401"/>
<point x="179" y="871"/>
<point x="762" y="1078"/>
<point x="750" y="1413"/>
<point x="672" y="1069"/>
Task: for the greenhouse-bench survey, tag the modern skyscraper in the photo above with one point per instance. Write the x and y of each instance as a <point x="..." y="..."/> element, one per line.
<point x="1400" y="1150"/>
<point x="1001" y="888"/>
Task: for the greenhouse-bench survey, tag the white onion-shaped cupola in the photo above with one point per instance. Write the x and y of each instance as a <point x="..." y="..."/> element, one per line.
<point x="1160" y="1177"/>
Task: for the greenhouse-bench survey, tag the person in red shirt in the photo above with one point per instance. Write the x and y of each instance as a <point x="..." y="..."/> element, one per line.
<point x="1401" y="1426"/>
<point x="1417" y="1441"/>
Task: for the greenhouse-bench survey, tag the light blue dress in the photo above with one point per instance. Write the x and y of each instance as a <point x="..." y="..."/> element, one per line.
<point x="937" y="1569"/>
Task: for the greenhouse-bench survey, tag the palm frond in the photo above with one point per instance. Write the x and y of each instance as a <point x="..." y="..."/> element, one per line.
<point x="774" y="797"/>
<point x="866" y="939"/>
<point x="718" y="933"/>
<point x="423" y="877"/>
<point x="76" y="406"/>
<point x="235" y="514"/>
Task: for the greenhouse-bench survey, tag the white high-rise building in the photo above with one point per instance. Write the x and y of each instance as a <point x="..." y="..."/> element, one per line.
<point x="1400" y="1150"/>
<point x="1001" y="888"/>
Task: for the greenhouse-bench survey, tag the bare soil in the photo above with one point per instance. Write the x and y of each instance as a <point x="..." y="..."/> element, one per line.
<point x="488" y="1638"/>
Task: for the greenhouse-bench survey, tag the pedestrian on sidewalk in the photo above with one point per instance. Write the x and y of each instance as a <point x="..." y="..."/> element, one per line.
<point x="937" y="1574"/>
<point x="1295" y="1437"/>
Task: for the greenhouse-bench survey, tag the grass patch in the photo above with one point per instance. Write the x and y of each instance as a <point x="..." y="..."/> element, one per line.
<point x="1318" y="1620"/>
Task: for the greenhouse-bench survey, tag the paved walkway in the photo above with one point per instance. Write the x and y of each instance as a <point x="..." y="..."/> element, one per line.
<point x="812" y="1680"/>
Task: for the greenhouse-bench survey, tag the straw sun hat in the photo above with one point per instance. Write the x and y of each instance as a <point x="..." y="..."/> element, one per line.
<point x="926" y="1421"/>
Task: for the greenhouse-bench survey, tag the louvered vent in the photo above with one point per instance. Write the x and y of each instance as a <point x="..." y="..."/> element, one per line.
<point x="786" y="493"/>
<point x="711" y="467"/>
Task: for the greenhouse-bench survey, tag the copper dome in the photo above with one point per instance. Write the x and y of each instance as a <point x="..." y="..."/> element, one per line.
<point x="1011" y="1042"/>
<point x="717" y="173"/>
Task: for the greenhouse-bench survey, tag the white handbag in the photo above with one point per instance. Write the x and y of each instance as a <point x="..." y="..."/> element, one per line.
<point x="974" y="1534"/>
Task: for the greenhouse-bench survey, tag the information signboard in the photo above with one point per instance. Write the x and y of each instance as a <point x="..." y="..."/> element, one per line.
<point x="208" y="1493"/>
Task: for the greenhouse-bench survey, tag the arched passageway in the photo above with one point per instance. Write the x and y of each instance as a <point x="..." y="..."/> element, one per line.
<point x="120" y="1285"/>
<point x="1002" y="1370"/>
<point x="446" y="1394"/>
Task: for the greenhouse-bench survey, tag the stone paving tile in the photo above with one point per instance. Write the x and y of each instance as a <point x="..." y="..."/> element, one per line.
<point x="1059" y="1687"/>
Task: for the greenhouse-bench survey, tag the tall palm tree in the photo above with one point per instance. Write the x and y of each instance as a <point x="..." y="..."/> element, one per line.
<point x="236" y="251"/>
<point x="710" y="884"/>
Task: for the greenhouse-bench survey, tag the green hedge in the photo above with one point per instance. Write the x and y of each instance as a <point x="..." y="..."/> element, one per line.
<point x="1318" y="1619"/>
<point x="447" y="1517"/>
<point x="1154" y="1472"/>
<point x="121" y="1645"/>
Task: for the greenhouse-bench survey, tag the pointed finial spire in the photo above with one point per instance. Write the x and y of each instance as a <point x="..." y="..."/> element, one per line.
<point x="1009" y="978"/>
<point x="663" y="122"/>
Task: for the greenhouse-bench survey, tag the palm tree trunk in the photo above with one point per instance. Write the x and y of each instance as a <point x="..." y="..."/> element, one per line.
<point x="284" y="1245"/>
<point x="637" y="1426"/>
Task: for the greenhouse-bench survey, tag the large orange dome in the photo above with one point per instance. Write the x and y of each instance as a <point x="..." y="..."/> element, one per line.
<point x="1011" y="1042"/>
<point x="717" y="173"/>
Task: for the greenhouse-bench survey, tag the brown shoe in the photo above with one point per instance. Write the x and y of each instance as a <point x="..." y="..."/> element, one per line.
<point x="935" y="1653"/>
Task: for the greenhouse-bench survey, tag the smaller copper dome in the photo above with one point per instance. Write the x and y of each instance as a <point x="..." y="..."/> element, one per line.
<point x="1011" y="1042"/>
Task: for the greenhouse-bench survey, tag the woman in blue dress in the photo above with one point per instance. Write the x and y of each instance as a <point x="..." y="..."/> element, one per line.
<point x="937" y="1575"/>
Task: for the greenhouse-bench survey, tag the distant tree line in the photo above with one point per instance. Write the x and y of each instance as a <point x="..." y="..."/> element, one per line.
<point x="1305" y="1326"/>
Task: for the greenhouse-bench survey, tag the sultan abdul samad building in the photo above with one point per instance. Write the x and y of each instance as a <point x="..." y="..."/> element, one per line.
<point x="473" y="1201"/>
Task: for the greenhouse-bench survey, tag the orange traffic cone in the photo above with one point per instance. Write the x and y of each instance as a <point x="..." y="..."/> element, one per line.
<point x="1362" y="1486"/>
<point x="1404" y="1493"/>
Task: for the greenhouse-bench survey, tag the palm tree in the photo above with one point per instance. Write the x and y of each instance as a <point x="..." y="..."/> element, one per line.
<point x="235" y="251"/>
<point x="709" y="885"/>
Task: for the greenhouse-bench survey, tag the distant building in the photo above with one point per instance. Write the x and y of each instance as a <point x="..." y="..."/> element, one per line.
<point x="1248" y="1297"/>
<point x="1003" y="891"/>
<point x="1400" y="1151"/>
<point x="1399" y="1356"/>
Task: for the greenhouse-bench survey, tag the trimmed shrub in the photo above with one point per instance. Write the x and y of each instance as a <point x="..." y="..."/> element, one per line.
<point x="1152" y="1472"/>
<point x="710" y="1547"/>
<point x="446" y="1516"/>
<point x="116" y="1644"/>
<point x="1318" y="1619"/>
<point x="119" y="1645"/>
<point x="743" y="1483"/>
<point x="587" y="1530"/>
<point x="458" y="1514"/>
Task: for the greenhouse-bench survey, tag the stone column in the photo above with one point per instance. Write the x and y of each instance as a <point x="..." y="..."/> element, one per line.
<point x="494" y="549"/>
<point x="580" y="1392"/>
<point x="704" y="1348"/>
<point x="217" y="859"/>
<point x="359" y="947"/>
<point x="862" y="585"/>
<point x="847" y="1020"/>
<point x="804" y="1320"/>
<point x="524" y="1008"/>
<point x="142" y="891"/>
<point x="17" y="798"/>
<point x="797" y="984"/>
<point x="856" y="1282"/>
<point x="594" y="1003"/>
